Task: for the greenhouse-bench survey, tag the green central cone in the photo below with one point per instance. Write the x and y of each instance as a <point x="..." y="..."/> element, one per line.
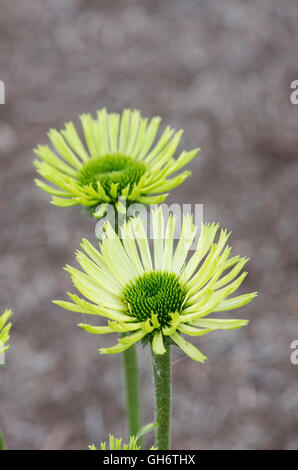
<point x="109" y="169"/>
<point x="157" y="292"/>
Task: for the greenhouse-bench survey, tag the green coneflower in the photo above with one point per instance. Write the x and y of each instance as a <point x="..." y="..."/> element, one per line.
<point x="161" y="299"/>
<point x="4" y="338"/>
<point x="116" y="444"/>
<point x="120" y="160"/>
<point x="5" y="330"/>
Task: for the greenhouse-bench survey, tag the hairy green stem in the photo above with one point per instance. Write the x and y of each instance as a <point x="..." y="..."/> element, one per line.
<point x="162" y="382"/>
<point x="2" y="445"/>
<point x="131" y="379"/>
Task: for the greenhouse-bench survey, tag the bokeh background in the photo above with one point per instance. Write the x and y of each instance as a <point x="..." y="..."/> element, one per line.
<point x="222" y="71"/>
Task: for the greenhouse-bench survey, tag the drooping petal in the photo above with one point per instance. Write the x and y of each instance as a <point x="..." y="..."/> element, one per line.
<point x="117" y="348"/>
<point x="157" y="343"/>
<point x="188" y="348"/>
<point x="96" y="330"/>
<point x="187" y="329"/>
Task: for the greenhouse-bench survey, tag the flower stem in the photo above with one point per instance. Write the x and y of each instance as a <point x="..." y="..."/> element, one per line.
<point x="131" y="380"/>
<point x="162" y="382"/>
<point x="2" y="445"/>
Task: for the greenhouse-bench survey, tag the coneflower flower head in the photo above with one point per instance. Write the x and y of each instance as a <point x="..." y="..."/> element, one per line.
<point x="116" y="444"/>
<point x="161" y="297"/>
<point x="120" y="158"/>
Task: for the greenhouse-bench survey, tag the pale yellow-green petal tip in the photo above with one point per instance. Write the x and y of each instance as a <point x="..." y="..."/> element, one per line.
<point x="109" y="351"/>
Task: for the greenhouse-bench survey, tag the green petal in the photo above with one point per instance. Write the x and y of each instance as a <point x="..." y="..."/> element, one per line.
<point x="114" y="121"/>
<point x="152" y="199"/>
<point x="133" y="338"/>
<point x="63" y="149"/>
<point x="186" y="238"/>
<point x="2" y="350"/>
<point x="82" y="306"/>
<point x="4" y="318"/>
<point x="142" y="241"/>
<point x="219" y="324"/>
<point x="140" y="138"/>
<point x="63" y="202"/>
<point x="105" y="280"/>
<point x="188" y="348"/>
<point x="167" y="185"/>
<point x="150" y="134"/>
<point x="157" y="343"/>
<point x="44" y="152"/>
<point x="124" y="126"/>
<point x="215" y="299"/>
<point x="168" y="243"/>
<point x="183" y="160"/>
<point x="133" y="130"/>
<point x="96" y="330"/>
<point x="235" y="302"/>
<point x="114" y="349"/>
<point x="101" y="132"/>
<point x="130" y="248"/>
<point x="166" y="153"/>
<point x="50" y="189"/>
<point x="4" y="333"/>
<point x="158" y="237"/>
<point x="124" y="327"/>
<point x="163" y="141"/>
<point x="123" y="343"/>
<point x="191" y="331"/>
<point x="88" y="125"/>
<point x="73" y="139"/>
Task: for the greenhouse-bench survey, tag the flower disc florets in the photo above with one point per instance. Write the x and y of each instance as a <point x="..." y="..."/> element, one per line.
<point x="158" y="293"/>
<point x="116" y="168"/>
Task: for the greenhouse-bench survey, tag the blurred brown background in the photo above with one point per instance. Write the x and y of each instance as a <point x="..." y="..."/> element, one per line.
<point x="222" y="71"/>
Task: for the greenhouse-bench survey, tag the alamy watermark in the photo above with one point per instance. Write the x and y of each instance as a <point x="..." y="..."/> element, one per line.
<point x="2" y="92"/>
<point x="294" y="94"/>
<point x="294" y="354"/>
<point x="2" y="354"/>
<point x="178" y="211"/>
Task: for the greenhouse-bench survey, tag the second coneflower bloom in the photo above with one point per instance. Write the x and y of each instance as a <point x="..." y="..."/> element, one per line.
<point x="120" y="158"/>
<point x="5" y="330"/>
<point x="163" y="297"/>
